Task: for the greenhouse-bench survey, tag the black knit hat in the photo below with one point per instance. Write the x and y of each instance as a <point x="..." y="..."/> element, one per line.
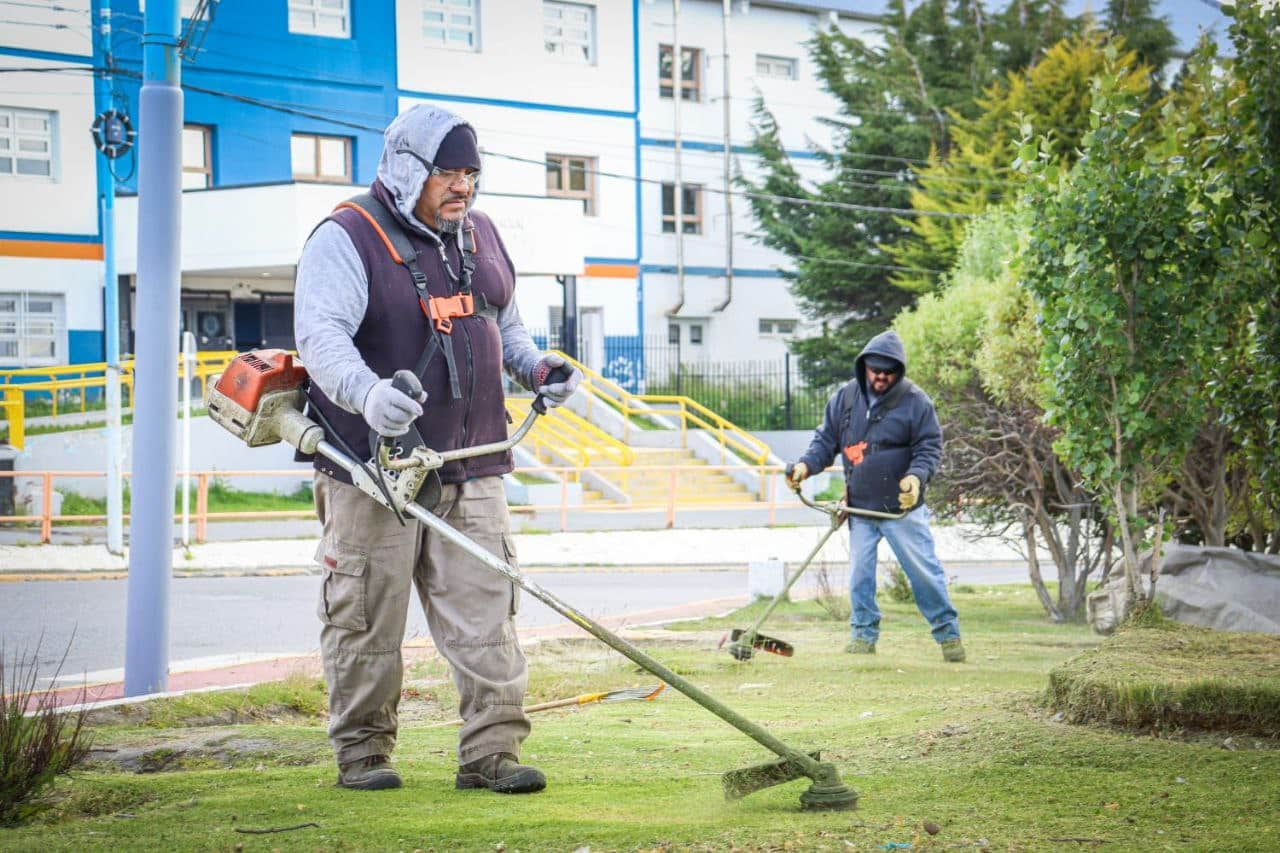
<point x="459" y="149"/>
<point x="882" y="362"/>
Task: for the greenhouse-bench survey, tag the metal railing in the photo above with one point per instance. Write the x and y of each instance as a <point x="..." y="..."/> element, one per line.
<point x="60" y="381"/>
<point x="690" y="413"/>
<point x="569" y="437"/>
<point x="671" y="502"/>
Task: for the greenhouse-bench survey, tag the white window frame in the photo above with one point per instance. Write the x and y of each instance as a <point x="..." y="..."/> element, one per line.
<point x="777" y="67"/>
<point x="12" y="139"/>
<point x="691" y="217"/>
<point x="771" y="327"/>
<point x="556" y="45"/>
<point x="587" y="196"/>
<point x="319" y="14"/>
<point x="690" y="86"/>
<point x="16" y="327"/>
<point x="206" y="141"/>
<point x="449" y="10"/>
<point x="316" y="176"/>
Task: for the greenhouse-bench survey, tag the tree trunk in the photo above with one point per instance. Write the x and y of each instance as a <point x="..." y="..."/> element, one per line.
<point x="1033" y="567"/>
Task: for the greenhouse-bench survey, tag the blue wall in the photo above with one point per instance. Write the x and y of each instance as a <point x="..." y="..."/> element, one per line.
<point x="249" y="51"/>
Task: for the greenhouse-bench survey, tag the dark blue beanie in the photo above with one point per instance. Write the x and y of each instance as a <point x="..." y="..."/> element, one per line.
<point x="459" y="149"/>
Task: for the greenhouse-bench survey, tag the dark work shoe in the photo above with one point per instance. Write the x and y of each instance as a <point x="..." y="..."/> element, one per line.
<point x="373" y="773"/>
<point x="861" y="647"/>
<point x="502" y="774"/>
<point x="953" y="651"/>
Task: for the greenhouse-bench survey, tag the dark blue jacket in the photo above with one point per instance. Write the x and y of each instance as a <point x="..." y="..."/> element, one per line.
<point x="879" y="444"/>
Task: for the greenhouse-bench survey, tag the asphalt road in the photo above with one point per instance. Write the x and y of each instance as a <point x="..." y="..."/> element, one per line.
<point x="220" y="618"/>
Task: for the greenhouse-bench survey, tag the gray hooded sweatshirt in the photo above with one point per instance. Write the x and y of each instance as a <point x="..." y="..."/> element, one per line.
<point x="332" y="289"/>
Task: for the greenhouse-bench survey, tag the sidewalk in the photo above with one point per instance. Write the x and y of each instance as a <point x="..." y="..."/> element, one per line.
<point x="633" y="549"/>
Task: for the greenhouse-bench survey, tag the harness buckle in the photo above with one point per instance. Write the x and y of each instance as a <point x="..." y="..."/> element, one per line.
<point x="442" y="310"/>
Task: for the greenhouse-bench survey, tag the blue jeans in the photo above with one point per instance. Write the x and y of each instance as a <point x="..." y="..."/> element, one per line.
<point x="912" y="544"/>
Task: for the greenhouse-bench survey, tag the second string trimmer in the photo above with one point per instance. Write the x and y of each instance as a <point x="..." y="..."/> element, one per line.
<point x="743" y="644"/>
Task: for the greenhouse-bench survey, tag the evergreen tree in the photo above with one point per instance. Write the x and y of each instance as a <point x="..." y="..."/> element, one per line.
<point x="1052" y="98"/>
<point x="898" y="98"/>
<point x="1144" y="32"/>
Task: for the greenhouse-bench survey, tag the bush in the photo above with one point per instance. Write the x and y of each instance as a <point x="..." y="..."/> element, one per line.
<point x="38" y="743"/>
<point x="897" y="587"/>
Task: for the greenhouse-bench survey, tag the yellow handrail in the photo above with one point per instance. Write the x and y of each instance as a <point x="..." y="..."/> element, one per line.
<point x="690" y="412"/>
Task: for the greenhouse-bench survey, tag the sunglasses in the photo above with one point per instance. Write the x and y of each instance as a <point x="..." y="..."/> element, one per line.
<point x="883" y="371"/>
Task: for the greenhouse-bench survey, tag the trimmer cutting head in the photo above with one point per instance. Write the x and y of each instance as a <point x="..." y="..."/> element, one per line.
<point x="741" y="649"/>
<point x="826" y="793"/>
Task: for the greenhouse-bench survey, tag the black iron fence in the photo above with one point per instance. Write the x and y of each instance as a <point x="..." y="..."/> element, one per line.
<point x="755" y="395"/>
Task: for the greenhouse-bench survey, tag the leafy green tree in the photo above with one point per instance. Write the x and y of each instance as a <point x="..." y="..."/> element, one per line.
<point x="1121" y="261"/>
<point x="1052" y="98"/>
<point x="974" y="347"/>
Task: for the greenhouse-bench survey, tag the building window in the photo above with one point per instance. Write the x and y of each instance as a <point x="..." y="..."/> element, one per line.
<point x="26" y="142"/>
<point x="692" y="213"/>
<point x="782" y="67"/>
<point x="32" y="329"/>
<point x="773" y="328"/>
<point x="321" y="158"/>
<point x="569" y="30"/>
<point x="320" y="18"/>
<point x="571" y="176"/>
<point x="673" y="333"/>
<point x="452" y="24"/>
<point x="690" y="72"/>
<point x="695" y="334"/>
<point x="197" y="171"/>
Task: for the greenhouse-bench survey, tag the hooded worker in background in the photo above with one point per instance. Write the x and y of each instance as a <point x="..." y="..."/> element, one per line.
<point x="362" y="312"/>
<point x="887" y="433"/>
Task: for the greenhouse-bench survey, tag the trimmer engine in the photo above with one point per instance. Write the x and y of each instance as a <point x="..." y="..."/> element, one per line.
<point x="259" y="400"/>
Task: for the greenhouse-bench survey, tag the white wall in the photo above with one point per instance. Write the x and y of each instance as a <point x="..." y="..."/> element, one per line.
<point x="67" y="202"/>
<point x="512" y="63"/>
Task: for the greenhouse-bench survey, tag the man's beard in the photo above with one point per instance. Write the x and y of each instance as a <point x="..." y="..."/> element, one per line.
<point x="452" y="226"/>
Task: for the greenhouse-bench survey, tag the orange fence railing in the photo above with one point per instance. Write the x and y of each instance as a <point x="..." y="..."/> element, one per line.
<point x="671" y="503"/>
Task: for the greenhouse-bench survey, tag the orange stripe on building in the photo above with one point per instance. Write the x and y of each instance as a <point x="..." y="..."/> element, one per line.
<point x="609" y="270"/>
<point x="51" y="249"/>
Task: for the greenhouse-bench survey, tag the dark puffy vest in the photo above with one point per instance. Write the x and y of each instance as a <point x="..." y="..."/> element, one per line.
<point x="395" y="331"/>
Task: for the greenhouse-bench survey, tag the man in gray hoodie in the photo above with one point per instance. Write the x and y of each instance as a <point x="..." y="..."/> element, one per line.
<point x="362" y="311"/>
<point x="887" y="433"/>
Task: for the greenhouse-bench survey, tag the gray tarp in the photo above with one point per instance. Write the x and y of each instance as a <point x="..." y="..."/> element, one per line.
<point x="1223" y="588"/>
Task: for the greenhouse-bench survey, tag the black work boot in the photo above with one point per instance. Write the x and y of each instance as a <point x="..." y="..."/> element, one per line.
<point x="373" y="773"/>
<point x="502" y="774"/>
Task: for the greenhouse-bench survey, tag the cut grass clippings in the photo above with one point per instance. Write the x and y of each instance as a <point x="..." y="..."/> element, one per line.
<point x="1174" y="676"/>
<point x="968" y="750"/>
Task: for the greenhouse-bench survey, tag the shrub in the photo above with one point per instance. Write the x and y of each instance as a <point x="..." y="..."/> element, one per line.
<point x="38" y="742"/>
<point x="897" y="587"/>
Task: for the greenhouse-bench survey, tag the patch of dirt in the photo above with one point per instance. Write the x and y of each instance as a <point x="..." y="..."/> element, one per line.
<point x="187" y="750"/>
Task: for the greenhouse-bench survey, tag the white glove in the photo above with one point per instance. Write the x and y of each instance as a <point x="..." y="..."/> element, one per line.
<point x="557" y="392"/>
<point x="389" y="411"/>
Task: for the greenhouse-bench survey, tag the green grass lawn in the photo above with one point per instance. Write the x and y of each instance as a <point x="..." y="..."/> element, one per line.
<point x="970" y="748"/>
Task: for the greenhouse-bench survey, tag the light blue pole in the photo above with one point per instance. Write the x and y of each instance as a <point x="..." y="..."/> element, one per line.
<point x="155" y="424"/>
<point x="111" y="295"/>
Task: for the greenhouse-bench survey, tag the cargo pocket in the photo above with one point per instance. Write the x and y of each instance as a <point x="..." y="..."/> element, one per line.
<point x="342" y="595"/>
<point x="509" y="553"/>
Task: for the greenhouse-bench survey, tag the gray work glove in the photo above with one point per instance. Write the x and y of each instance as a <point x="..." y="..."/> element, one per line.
<point x="557" y="392"/>
<point x="389" y="411"/>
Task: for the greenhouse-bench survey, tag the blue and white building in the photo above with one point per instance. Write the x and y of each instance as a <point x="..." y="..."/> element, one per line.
<point x="285" y="101"/>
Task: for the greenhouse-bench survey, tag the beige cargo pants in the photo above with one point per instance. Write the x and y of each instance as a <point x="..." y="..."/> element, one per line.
<point x="370" y="565"/>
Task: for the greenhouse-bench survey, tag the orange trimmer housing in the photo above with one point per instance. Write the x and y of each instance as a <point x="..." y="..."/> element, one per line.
<point x="252" y="375"/>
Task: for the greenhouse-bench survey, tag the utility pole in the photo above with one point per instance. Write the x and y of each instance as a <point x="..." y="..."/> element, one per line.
<point x="111" y="302"/>
<point x="725" y="12"/>
<point x="677" y="95"/>
<point x="146" y="661"/>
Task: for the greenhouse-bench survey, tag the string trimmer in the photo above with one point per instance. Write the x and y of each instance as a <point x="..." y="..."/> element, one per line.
<point x="259" y="399"/>
<point x="742" y="644"/>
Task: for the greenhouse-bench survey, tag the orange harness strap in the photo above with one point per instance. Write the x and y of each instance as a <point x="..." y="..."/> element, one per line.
<point x="386" y="241"/>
